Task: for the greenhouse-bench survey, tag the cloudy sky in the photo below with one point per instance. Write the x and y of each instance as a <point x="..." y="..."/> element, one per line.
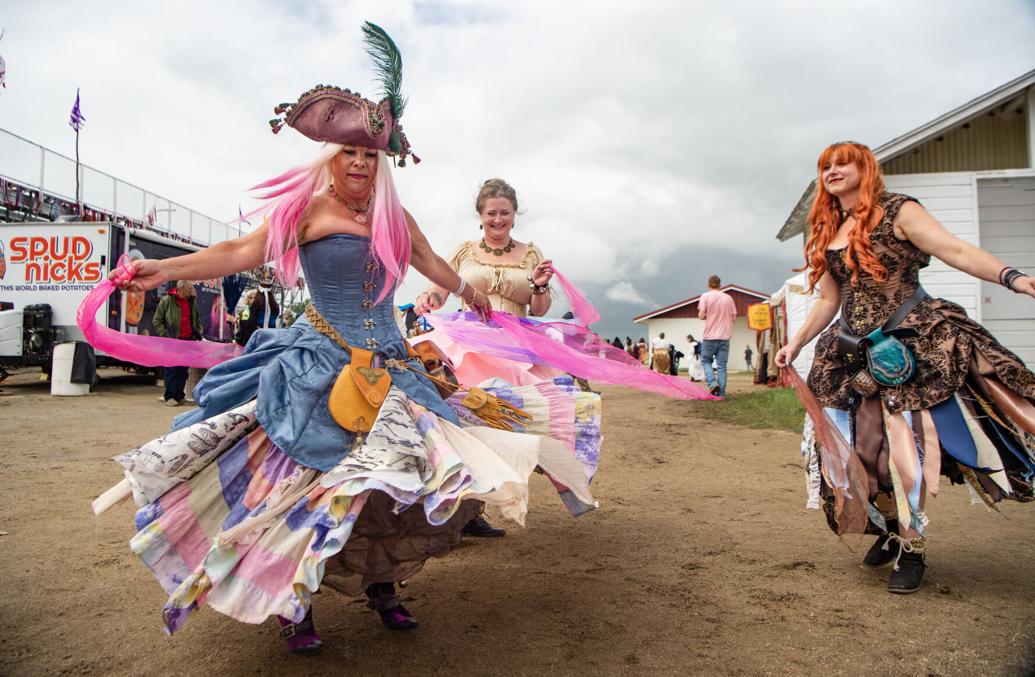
<point x="651" y="143"/>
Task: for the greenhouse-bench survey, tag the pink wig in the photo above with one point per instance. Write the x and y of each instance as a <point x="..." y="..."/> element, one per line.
<point x="290" y="194"/>
<point x="390" y="233"/>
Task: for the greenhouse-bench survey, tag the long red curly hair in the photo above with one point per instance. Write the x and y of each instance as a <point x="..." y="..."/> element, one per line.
<point x="825" y="219"/>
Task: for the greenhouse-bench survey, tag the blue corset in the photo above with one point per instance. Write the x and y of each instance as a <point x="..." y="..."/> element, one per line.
<point x="290" y="371"/>
<point x="344" y="281"/>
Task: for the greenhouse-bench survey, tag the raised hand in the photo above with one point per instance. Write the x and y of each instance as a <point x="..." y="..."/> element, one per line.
<point x="543" y="273"/>
<point x="1024" y="285"/>
<point x="149" y="273"/>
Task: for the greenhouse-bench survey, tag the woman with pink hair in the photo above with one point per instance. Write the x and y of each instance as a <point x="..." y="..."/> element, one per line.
<point x="268" y="490"/>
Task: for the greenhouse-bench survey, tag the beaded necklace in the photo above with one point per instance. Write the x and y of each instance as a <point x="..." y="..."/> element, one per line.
<point x="360" y="212"/>
<point x="497" y="251"/>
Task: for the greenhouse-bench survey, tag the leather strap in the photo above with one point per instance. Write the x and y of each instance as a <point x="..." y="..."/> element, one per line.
<point x="896" y="319"/>
<point x="903" y="311"/>
<point x="324" y="327"/>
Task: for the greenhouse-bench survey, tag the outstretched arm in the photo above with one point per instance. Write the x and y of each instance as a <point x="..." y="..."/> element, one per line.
<point x="224" y="258"/>
<point x="916" y="224"/>
<point x="822" y="313"/>
<point x="434" y="267"/>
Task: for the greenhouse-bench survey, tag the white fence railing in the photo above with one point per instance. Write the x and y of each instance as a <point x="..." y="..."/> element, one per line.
<point x="53" y="175"/>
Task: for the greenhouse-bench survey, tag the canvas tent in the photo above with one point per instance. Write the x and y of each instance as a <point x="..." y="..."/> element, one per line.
<point x="791" y="305"/>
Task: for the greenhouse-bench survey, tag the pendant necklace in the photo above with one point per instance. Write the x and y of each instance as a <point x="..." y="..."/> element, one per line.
<point x="361" y="213"/>
<point x="497" y="251"/>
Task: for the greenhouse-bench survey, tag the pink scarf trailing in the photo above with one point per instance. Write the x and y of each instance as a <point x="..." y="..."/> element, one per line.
<point x="569" y="347"/>
<point x="147" y="351"/>
<point x="843" y="470"/>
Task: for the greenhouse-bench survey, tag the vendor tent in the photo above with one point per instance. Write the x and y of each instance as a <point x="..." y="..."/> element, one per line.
<point x="791" y="306"/>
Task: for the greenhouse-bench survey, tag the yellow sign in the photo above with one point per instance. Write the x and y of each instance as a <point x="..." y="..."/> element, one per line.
<point x="758" y="317"/>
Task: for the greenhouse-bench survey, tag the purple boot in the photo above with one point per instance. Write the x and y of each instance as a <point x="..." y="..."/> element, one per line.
<point x="301" y="637"/>
<point x="386" y="603"/>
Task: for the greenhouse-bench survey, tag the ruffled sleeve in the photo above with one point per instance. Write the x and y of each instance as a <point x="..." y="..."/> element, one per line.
<point x="459" y="255"/>
<point x="533" y="257"/>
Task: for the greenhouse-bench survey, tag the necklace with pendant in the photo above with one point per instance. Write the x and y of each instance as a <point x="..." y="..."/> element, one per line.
<point x="361" y="213"/>
<point x="496" y="251"/>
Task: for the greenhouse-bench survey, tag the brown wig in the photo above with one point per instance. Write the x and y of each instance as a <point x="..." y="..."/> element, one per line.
<point x="824" y="216"/>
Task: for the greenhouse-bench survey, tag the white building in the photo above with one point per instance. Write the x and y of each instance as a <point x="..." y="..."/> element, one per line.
<point x="974" y="170"/>
<point x="679" y="319"/>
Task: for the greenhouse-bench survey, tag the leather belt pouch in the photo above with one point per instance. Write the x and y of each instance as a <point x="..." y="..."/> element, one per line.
<point x="359" y="392"/>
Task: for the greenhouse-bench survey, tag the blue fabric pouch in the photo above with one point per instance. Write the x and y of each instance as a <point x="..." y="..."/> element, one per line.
<point x="889" y="361"/>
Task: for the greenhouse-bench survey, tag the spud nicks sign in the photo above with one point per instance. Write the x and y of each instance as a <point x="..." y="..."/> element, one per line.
<point x="54" y="259"/>
<point x="51" y="263"/>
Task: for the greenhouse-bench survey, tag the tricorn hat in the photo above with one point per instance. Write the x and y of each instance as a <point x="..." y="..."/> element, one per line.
<point x="336" y="115"/>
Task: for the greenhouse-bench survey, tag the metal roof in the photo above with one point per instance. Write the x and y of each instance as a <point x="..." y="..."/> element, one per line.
<point x="795" y="223"/>
<point x="694" y="299"/>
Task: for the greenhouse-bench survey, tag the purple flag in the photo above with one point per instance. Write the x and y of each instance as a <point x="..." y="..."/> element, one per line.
<point x="77" y="119"/>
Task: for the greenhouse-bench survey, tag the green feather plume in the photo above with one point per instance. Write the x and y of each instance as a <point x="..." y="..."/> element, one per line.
<point x="387" y="63"/>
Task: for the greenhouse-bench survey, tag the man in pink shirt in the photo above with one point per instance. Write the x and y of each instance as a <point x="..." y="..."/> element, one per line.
<point x="718" y="311"/>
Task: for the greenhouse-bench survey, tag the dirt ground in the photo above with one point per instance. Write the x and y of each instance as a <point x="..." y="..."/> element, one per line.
<point x="700" y="560"/>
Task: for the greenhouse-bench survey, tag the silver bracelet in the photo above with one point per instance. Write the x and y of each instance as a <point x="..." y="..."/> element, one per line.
<point x="460" y="289"/>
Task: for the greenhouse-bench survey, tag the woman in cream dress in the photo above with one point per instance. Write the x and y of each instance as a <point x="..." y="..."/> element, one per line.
<point x="515" y="276"/>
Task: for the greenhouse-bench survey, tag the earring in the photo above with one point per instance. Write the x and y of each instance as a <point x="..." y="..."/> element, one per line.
<point x="480" y="226"/>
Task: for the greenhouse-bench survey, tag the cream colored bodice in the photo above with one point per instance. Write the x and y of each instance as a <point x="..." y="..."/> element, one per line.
<point x="506" y="284"/>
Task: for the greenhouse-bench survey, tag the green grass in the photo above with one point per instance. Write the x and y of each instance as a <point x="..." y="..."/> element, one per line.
<point x="774" y="408"/>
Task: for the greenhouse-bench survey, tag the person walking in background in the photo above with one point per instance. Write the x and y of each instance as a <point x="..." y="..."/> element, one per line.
<point x="674" y="357"/>
<point x="642" y="354"/>
<point x="693" y="368"/>
<point x="629" y="348"/>
<point x="748" y="353"/>
<point x="177" y="317"/>
<point x="718" y="311"/>
<point x="661" y="358"/>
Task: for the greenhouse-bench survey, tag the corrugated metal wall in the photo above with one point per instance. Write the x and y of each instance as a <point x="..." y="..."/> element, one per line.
<point x="994" y="140"/>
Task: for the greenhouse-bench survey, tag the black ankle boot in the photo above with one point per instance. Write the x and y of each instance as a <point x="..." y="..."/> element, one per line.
<point x="908" y="574"/>
<point x="885" y="549"/>
<point x="480" y="527"/>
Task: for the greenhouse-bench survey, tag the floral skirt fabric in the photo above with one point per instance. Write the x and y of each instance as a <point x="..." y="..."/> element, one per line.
<point x="229" y="521"/>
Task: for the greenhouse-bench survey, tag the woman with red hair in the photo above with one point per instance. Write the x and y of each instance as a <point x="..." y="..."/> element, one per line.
<point x="916" y="387"/>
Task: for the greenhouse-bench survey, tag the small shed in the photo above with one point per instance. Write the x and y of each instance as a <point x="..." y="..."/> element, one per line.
<point x="679" y="319"/>
<point x="973" y="168"/>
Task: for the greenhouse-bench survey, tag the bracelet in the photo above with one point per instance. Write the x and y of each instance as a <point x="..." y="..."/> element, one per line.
<point x="460" y="290"/>
<point x="537" y="290"/>
<point x="1010" y="275"/>
<point x="1000" y="275"/>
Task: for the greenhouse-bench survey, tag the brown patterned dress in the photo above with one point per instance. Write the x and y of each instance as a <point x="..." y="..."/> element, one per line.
<point x="948" y="340"/>
<point x="967" y="413"/>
